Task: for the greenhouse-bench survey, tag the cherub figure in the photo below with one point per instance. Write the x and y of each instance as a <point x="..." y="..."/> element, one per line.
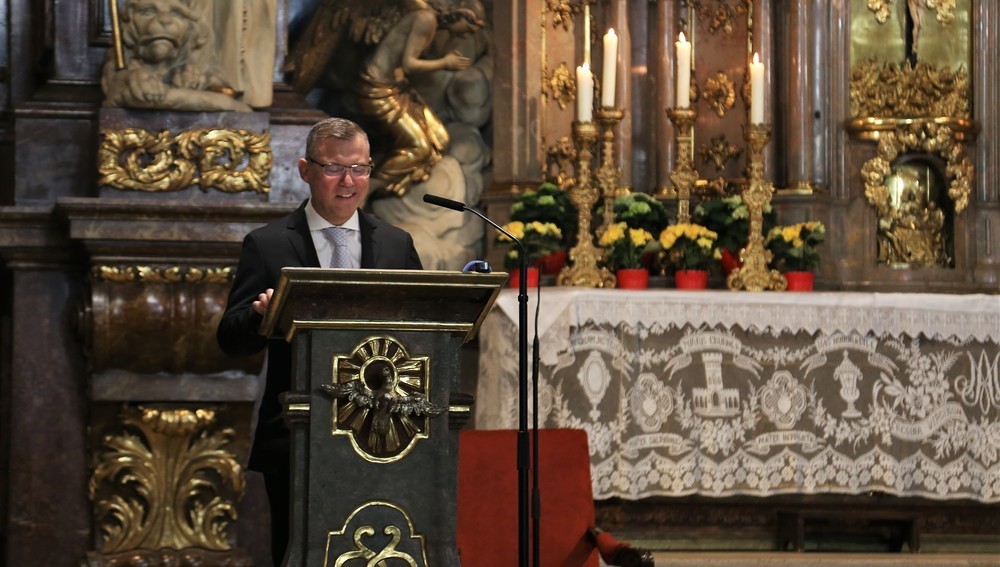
<point x="165" y="62"/>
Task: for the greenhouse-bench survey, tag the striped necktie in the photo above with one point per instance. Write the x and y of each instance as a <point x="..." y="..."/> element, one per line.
<point x="338" y="237"/>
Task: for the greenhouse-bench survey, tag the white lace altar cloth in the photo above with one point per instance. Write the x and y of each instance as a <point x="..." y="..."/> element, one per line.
<point x="722" y="393"/>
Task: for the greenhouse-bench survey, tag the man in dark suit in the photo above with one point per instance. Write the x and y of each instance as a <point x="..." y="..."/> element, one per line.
<point x="327" y="231"/>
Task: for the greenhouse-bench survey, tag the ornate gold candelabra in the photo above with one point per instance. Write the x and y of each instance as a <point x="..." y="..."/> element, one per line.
<point x="684" y="175"/>
<point x="608" y="174"/>
<point x="584" y="271"/>
<point x="754" y="275"/>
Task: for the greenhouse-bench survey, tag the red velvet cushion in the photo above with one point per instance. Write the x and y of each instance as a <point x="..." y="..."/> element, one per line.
<point x="487" y="499"/>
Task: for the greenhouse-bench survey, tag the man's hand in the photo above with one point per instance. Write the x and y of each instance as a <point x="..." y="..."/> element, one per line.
<point x="263" y="300"/>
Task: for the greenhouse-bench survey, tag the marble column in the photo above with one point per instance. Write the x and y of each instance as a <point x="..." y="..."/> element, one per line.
<point x="802" y="89"/>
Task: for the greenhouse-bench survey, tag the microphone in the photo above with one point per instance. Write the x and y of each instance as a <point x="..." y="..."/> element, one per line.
<point x="523" y="445"/>
<point x="478" y="266"/>
<point x="446" y="203"/>
<point x="460" y="207"/>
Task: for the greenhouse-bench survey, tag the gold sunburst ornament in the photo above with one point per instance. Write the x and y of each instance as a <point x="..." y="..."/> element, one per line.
<point x="381" y="399"/>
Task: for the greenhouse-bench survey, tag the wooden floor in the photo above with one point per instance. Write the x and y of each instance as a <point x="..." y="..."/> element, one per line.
<point x="793" y="559"/>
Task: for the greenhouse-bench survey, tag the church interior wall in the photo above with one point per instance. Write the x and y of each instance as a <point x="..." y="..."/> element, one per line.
<point x="64" y="236"/>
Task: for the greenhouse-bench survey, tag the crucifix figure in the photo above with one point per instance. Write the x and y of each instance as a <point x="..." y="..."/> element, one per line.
<point x="914" y="22"/>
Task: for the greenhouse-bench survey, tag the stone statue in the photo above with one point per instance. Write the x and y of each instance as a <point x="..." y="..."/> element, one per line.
<point x="425" y="84"/>
<point x="245" y="37"/>
<point x="168" y="61"/>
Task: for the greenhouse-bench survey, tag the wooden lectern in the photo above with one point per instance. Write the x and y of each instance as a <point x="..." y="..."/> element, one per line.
<point x="374" y="410"/>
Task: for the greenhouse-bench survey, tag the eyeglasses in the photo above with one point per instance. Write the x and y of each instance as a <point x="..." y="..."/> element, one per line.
<point x="334" y="169"/>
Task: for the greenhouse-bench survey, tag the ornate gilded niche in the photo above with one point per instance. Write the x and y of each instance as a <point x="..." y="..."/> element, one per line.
<point x="910" y="93"/>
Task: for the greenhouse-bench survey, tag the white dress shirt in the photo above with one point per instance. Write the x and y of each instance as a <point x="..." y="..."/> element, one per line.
<point x="324" y="248"/>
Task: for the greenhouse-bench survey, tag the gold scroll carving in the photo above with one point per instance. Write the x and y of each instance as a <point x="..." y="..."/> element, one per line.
<point x="167" y="480"/>
<point x="134" y="159"/>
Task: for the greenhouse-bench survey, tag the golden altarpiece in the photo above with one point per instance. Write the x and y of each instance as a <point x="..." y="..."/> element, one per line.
<point x="123" y="429"/>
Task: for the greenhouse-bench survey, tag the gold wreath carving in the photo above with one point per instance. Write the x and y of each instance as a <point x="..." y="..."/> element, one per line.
<point x="173" y="274"/>
<point x="720" y="16"/>
<point x="562" y="12"/>
<point x="134" y="159"/>
<point x="560" y="85"/>
<point x="559" y="160"/>
<point x="719" y="151"/>
<point x="888" y="90"/>
<point x="945" y="9"/>
<point x="926" y="137"/>
<point x="720" y="93"/>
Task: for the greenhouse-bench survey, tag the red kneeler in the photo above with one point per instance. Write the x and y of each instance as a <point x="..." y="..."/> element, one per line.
<point x="487" y="503"/>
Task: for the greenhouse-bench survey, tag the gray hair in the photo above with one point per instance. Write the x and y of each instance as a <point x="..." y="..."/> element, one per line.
<point x="339" y="128"/>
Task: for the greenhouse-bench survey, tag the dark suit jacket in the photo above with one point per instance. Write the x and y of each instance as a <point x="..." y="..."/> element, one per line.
<point x="266" y="250"/>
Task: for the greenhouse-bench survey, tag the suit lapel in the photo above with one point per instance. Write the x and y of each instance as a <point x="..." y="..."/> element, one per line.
<point x="300" y="239"/>
<point x="369" y="242"/>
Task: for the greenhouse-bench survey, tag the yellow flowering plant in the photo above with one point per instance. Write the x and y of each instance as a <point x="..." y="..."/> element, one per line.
<point x="689" y="246"/>
<point x="625" y="246"/>
<point x="794" y="246"/>
<point x="548" y="203"/>
<point x="538" y="238"/>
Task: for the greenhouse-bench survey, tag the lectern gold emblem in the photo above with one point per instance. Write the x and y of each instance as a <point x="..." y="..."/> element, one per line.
<point x="377" y="533"/>
<point x="381" y="399"/>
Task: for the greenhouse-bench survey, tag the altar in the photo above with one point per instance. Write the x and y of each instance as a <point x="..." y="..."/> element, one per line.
<point x="717" y="393"/>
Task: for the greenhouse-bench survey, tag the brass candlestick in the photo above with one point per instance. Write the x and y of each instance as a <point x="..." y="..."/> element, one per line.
<point x="608" y="174"/>
<point x="684" y="175"/>
<point x="583" y="271"/>
<point x="754" y="275"/>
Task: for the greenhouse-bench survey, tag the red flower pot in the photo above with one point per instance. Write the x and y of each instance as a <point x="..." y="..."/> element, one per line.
<point x="632" y="278"/>
<point x="691" y="279"/>
<point x="800" y="281"/>
<point x="552" y="264"/>
<point x="515" y="277"/>
<point x="730" y="260"/>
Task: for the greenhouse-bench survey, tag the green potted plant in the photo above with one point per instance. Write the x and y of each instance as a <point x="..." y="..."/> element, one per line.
<point x="624" y="248"/>
<point x="794" y="251"/>
<point x="730" y="219"/>
<point x="538" y="239"/>
<point x="640" y="211"/>
<point x="548" y="204"/>
<point x="690" y="249"/>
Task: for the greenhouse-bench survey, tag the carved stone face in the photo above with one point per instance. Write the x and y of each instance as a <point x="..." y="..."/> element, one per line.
<point x="159" y="28"/>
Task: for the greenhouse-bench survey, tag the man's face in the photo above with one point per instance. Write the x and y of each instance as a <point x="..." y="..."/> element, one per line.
<point x="336" y="198"/>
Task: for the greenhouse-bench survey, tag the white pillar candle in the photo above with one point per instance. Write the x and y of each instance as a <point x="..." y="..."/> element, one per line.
<point x="610" y="69"/>
<point x="584" y="93"/>
<point x="586" y="32"/>
<point x="756" y="90"/>
<point x="683" y="48"/>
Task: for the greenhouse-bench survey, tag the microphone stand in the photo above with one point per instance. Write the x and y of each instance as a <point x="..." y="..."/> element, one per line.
<point x="523" y="445"/>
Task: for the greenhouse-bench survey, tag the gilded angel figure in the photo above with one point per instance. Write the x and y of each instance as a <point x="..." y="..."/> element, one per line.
<point x="418" y="75"/>
<point x="402" y="34"/>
